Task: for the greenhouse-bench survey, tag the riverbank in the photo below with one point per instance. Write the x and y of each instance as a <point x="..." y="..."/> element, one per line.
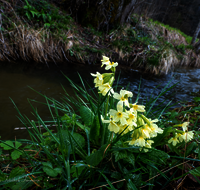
<point x="83" y="138"/>
<point x="41" y="32"/>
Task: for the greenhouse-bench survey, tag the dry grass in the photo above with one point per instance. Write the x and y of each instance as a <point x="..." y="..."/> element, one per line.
<point x="26" y="43"/>
<point x="23" y="42"/>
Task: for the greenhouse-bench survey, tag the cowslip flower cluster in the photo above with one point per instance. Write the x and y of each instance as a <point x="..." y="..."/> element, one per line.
<point x="180" y="136"/>
<point x="104" y="81"/>
<point x="126" y="117"/>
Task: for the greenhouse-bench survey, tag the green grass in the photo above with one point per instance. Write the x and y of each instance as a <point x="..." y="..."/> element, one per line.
<point x="84" y="152"/>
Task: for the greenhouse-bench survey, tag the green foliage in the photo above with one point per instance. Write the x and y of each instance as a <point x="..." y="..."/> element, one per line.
<point x="8" y="145"/>
<point x="43" y="13"/>
<point x="49" y="170"/>
<point x="181" y="48"/>
<point x="83" y="152"/>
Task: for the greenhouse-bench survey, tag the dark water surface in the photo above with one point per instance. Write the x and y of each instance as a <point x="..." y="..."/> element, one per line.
<point x="16" y="77"/>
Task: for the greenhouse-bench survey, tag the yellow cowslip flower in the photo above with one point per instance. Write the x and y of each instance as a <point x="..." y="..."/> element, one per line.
<point x="132" y="142"/>
<point x="105" y="60"/>
<point x="140" y="142"/>
<point x="154" y="128"/>
<point x="104" y="88"/>
<point x="185" y="126"/>
<point x="126" y="128"/>
<point x="136" y="107"/>
<point x="110" y="65"/>
<point x="131" y="120"/>
<point x="186" y="136"/>
<point x="173" y="140"/>
<point x="123" y="96"/>
<point x="148" y="145"/>
<point x="112" y="126"/>
<point x="98" y="80"/>
<point x="119" y="115"/>
<point x="145" y="132"/>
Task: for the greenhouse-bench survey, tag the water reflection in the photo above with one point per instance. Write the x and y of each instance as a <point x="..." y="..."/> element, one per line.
<point x="188" y="80"/>
<point x="15" y="79"/>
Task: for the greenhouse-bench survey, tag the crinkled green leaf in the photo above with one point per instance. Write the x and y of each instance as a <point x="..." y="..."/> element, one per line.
<point x="131" y="159"/>
<point x="95" y="129"/>
<point x="95" y="158"/>
<point x="16" y="172"/>
<point x="156" y="156"/>
<point x="78" y="138"/>
<point x="86" y="115"/>
<point x="120" y="155"/>
<point x="22" y="185"/>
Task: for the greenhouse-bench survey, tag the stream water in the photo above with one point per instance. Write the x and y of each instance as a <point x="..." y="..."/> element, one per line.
<point x="17" y="77"/>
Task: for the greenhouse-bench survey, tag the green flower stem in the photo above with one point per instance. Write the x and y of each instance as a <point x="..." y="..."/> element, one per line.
<point x="104" y="128"/>
<point x="106" y="110"/>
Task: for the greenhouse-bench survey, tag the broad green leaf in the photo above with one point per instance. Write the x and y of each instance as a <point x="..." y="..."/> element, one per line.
<point x="95" y="158"/>
<point x="49" y="171"/>
<point x="131" y="159"/>
<point x="16" y="172"/>
<point x="78" y="138"/>
<point x="48" y="168"/>
<point x="58" y="170"/>
<point x="16" y="154"/>
<point x="47" y="164"/>
<point x="7" y="145"/>
<point x="195" y="172"/>
<point x="156" y="156"/>
<point x="86" y="115"/>
<point x="95" y="129"/>
<point x="82" y="126"/>
<point x="22" y="185"/>
<point x="1" y="151"/>
<point x="120" y="155"/>
<point x="76" y="170"/>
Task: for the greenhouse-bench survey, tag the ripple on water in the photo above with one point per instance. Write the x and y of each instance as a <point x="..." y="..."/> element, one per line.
<point x="15" y="81"/>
